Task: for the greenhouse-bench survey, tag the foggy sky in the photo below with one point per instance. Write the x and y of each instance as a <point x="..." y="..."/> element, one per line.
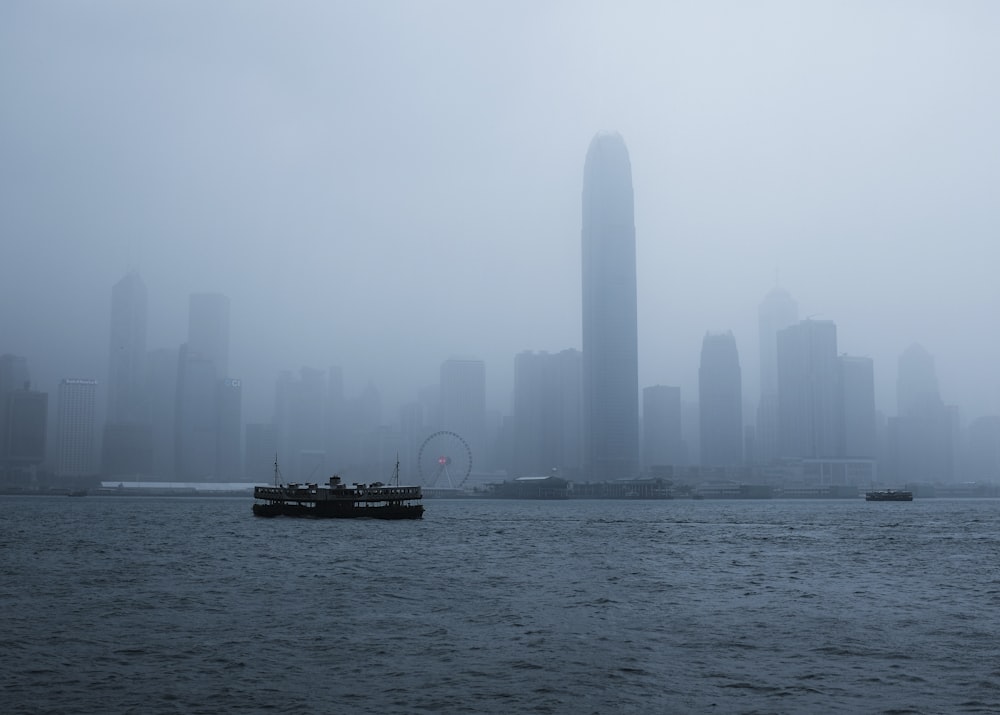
<point x="386" y="185"/>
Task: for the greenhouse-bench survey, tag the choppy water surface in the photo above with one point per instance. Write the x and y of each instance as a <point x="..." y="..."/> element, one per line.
<point x="194" y="606"/>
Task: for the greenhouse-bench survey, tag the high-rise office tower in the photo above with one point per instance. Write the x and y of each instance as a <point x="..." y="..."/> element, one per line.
<point x="921" y="436"/>
<point x="161" y="392"/>
<point x="662" y="443"/>
<point x="127" y="351"/>
<point x="547" y="420"/>
<point x="75" y="429"/>
<point x="809" y="393"/>
<point x="720" y="398"/>
<point x="196" y="417"/>
<point x="776" y="312"/>
<point x="202" y="365"/>
<point x="13" y="376"/>
<point x="857" y="382"/>
<point x="463" y="404"/>
<point x="208" y="329"/>
<point x="982" y="462"/>
<point x="26" y="427"/>
<point x="610" y="331"/>
<point x="229" y="443"/>
<point x="127" y="442"/>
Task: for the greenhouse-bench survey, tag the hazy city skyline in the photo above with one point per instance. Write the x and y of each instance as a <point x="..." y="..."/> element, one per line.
<point x="367" y="200"/>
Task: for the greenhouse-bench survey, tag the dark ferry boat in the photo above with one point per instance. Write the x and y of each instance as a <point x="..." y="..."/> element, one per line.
<point x="336" y="500"/>
<point x="888" y="495"/>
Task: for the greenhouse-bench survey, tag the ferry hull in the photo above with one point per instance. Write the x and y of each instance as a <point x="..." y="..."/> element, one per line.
<point x="322" y="510"/>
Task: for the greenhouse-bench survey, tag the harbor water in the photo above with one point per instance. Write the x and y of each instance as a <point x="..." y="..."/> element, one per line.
<point x="192" y="605"/>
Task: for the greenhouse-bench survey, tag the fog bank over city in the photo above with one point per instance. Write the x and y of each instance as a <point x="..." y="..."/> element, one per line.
<point x="384" y="186"/>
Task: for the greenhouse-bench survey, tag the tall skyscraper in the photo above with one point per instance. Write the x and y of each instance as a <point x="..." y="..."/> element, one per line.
<point x="776" y="312"/>
<point x="610" y="330"/>
<point x="13" y="376"/>
<point x="127" y="352"/>
<point x="127" y="443"/>
<point x="720" y="397"/>
<point x="229" y="443"/>
<point x="196" y="417"/>
<point x="27" y="423"/>
<point x="75" y="428"/>
<point x="857" y="380"/>
<point x="662" y="442"/>
<point x="809" y="392"/>
<point x="202" y="366"/>
<point x="161" y="391"/>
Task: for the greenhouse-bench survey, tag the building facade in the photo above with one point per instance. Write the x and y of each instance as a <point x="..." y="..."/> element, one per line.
<point x="75" y="428"/>
<point x="720" y="398"/>
<point x="776" y="312"/>
<point x="809" y="395"/>
<point x="547" y="422"/>
<point x="662" y="437"/>
<point x="610" y="327"/>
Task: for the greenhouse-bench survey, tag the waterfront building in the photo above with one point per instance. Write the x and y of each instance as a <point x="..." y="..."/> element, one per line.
<point x="127" y="351"/>
<point x="126" y="447"/>
<point x="922" y="439"/>
<point x="547" y="420"/>
<point x="983" y="458"/>
<point x="857" y="380"/>
<point x="75" y="427"/>
<point x="720" y="397"/>
<point x="13" y="376"/>
<point x="202" y="366"/>
<point x="610" y="330"/>
<point x="229" y="444"/>
<point x="26" y="427"/>
<point x="196" y="417"/>
<point x="776" y="312"/>
<point x="662" y="440"/>
<point x="208" y="329"/>
<point x="809" y="394"/>
<point x="161" y="393"/>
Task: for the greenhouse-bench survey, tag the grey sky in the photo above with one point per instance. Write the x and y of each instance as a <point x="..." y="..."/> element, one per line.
<point x="385" y="185"/>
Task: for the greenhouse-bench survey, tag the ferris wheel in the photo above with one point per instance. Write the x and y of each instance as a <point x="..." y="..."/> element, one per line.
<point x="444" y="461"/>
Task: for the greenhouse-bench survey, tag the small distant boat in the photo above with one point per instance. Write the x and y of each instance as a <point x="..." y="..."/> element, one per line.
<point x="888" y="495"/>
<point x="339" y="501"/>
<point x="77" y="493"/>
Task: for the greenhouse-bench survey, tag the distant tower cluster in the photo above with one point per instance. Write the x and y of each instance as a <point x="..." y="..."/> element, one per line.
<point x="610" y="328"/>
